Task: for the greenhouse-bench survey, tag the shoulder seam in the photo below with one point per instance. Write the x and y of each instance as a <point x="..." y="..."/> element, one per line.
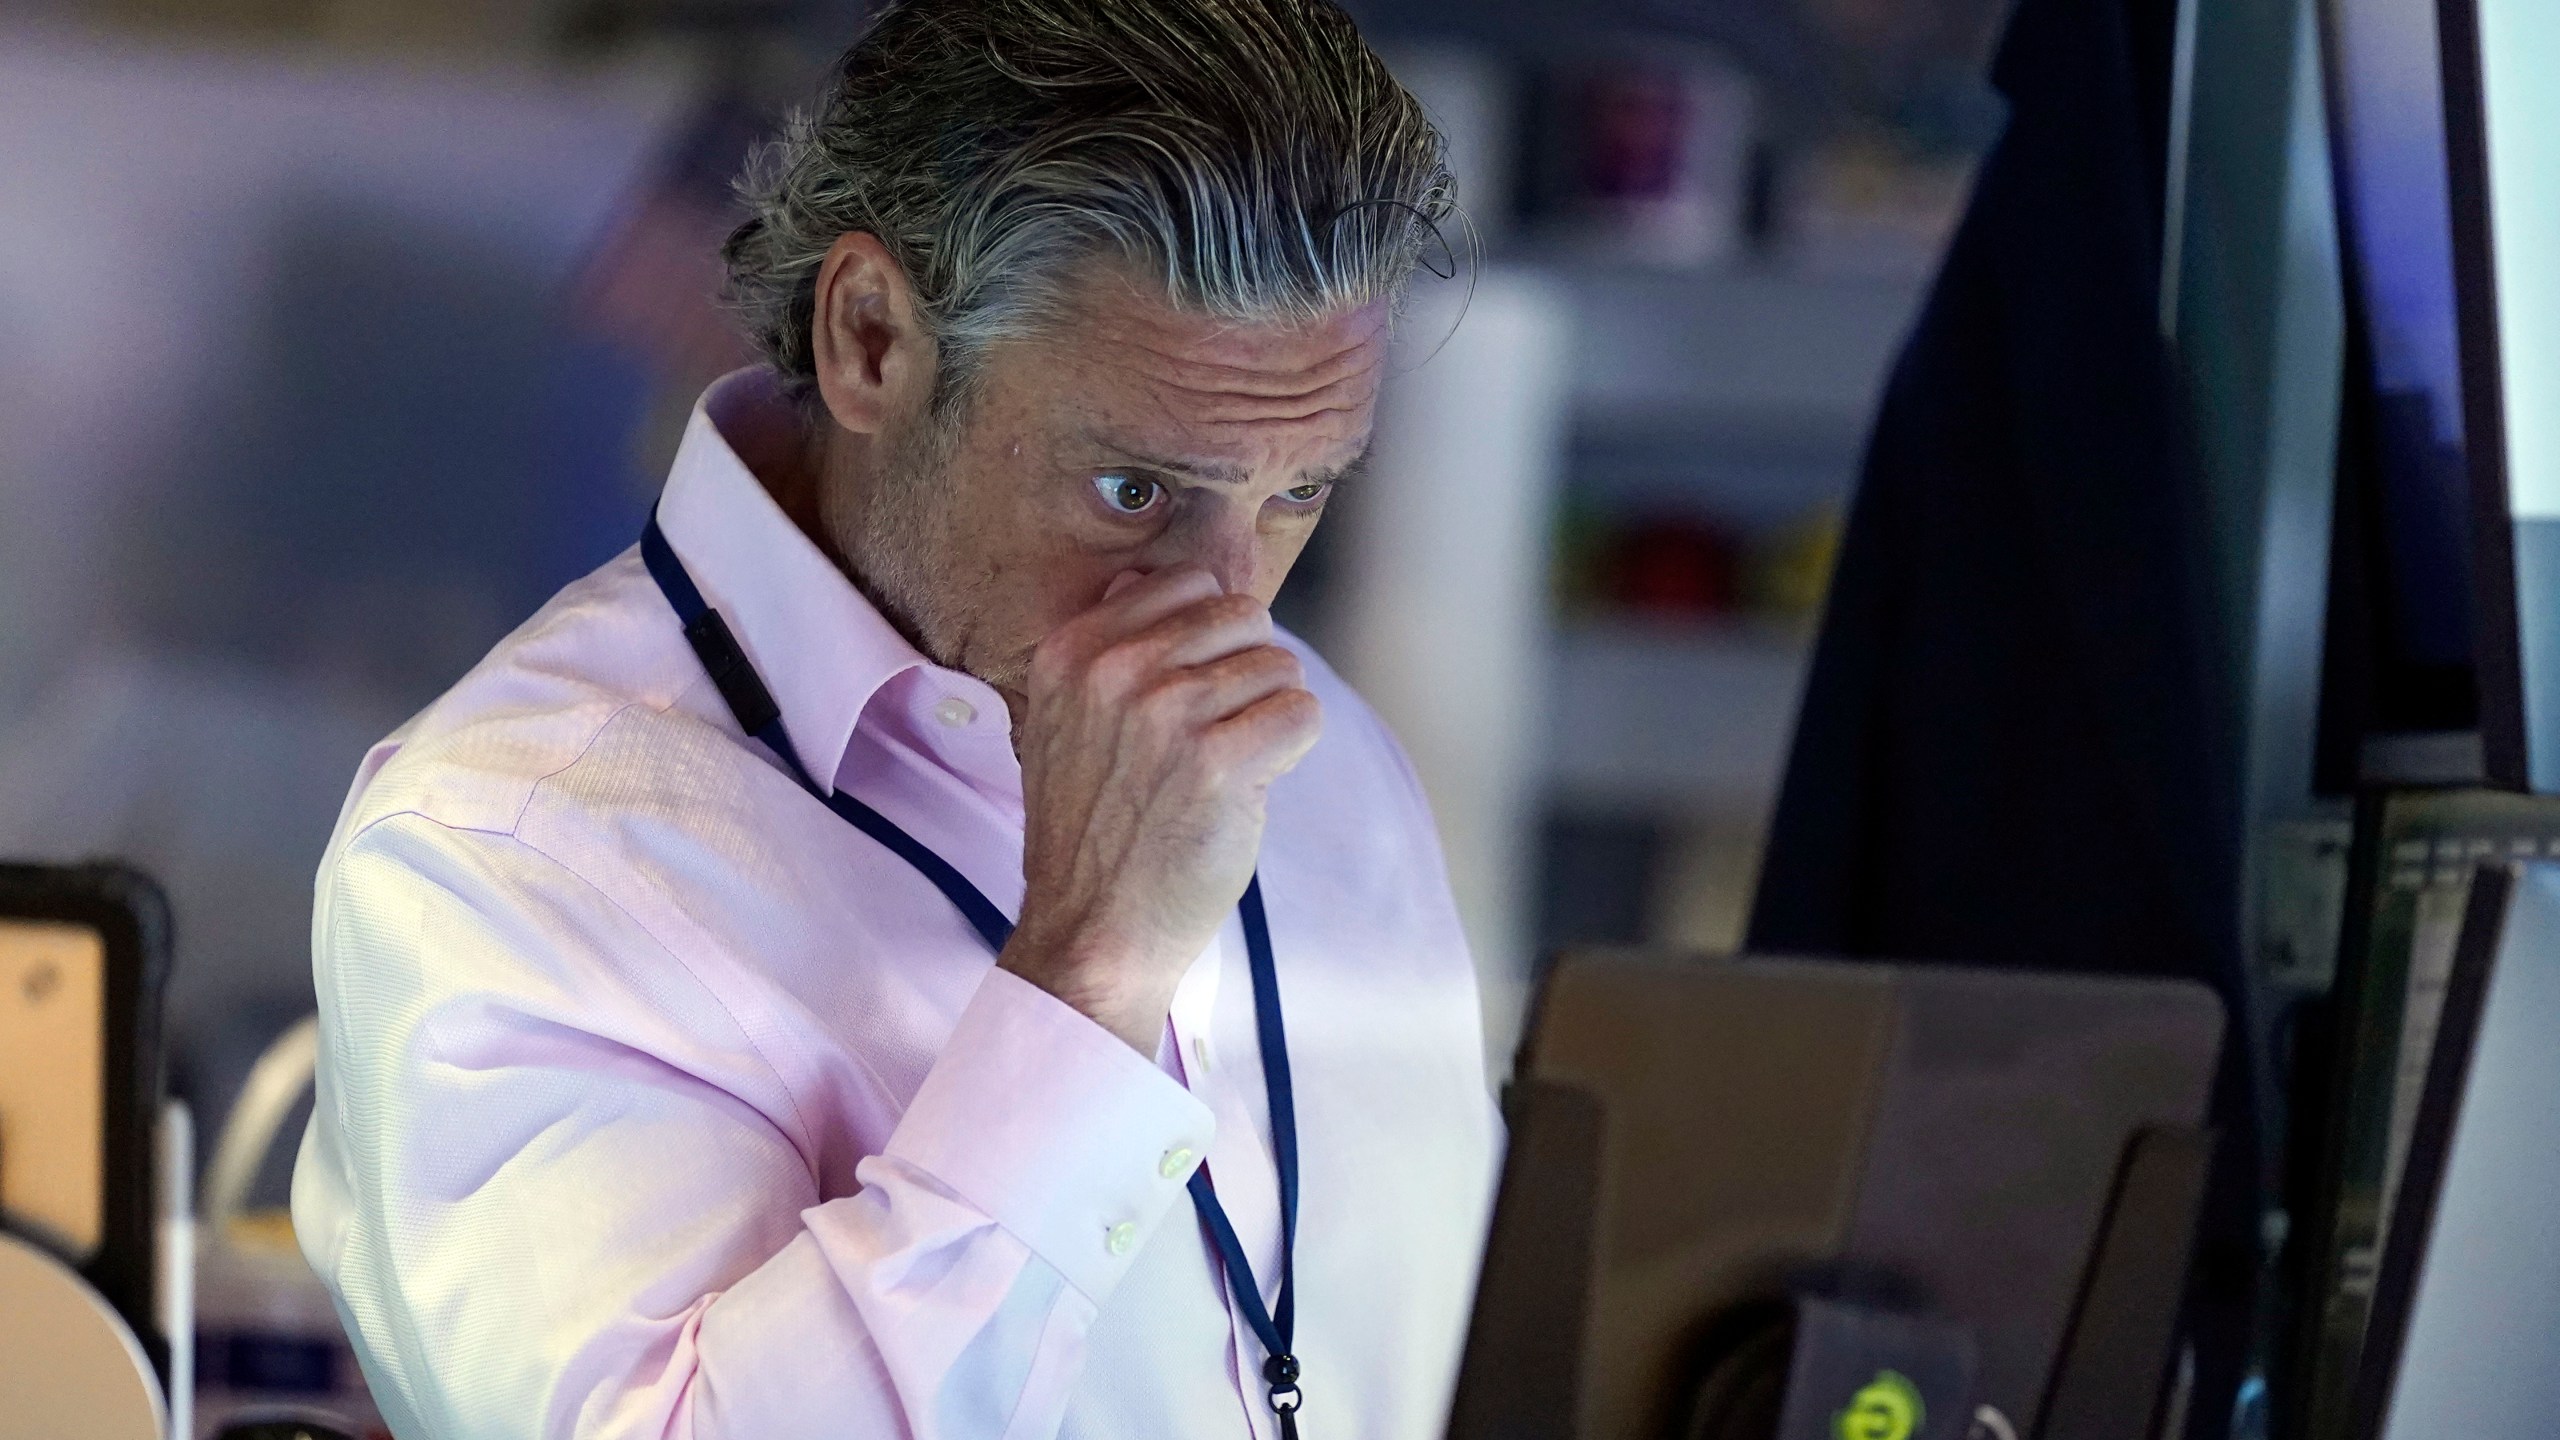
<point x="533" y="786"/>
<point x="515" y="826"/>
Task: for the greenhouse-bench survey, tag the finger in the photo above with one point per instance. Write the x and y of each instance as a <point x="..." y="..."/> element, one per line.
<point x="1122" y="581"/>
<point x="1205" y="630"/>
<point x="1267" y="739"/>
<point x="1130" y="606"/>
<point x="1204" y="694"/>
<point x="1162" y="657"/>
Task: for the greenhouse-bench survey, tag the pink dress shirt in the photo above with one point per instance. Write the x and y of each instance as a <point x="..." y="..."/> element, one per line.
<point x="655" y="1100"/>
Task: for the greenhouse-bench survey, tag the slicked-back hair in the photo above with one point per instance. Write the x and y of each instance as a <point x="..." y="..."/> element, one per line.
<point x="1254" y="156"/>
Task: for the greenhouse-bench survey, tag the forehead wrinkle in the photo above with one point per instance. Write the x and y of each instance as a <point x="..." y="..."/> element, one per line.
<point x="1350" y="393"/>
<point x="1189" y="373"/>
<point x="1236" y="384"/>
<point x="1232" y="398"/>
<point x="1236" y="356"/>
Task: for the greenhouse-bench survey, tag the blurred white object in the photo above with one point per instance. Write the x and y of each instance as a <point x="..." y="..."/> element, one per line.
<point x="276" y="1084"/>
<point x="261" y="1311"/>
<point x="175" y="1257"/>
<point x="69" y="1365"/>
<point x="1442" y="616"/>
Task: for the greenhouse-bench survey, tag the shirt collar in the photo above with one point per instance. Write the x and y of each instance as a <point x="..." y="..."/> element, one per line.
<point x="820" y="647"/>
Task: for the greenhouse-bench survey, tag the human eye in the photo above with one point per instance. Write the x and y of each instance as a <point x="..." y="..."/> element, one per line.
<point x="1128" y="494"/>
<point x="1309" y="495"/>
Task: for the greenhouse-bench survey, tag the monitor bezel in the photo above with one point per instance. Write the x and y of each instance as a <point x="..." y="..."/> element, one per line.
<point x="127" y="911"/>
<point x="2498" y="650"/>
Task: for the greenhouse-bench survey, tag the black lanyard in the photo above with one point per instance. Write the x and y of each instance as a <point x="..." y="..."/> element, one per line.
<point x="748" y="700"/>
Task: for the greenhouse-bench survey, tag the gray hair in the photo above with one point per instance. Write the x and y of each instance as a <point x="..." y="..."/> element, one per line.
<point x="1253" y="154"/>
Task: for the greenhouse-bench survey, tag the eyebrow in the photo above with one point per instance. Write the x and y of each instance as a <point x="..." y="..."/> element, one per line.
<point x="1219" y="473"/>
<point x="1351" y="469"/>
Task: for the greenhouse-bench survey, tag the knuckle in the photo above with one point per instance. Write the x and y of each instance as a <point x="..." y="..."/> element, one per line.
<point x="1163" y="696"/>
<point x="1220" y="754"/>
<point x="1165" y="706"/>
<point x="1116" y="671"/>
<point x="1282" y="666"/>
<point x="1051" y="659"/>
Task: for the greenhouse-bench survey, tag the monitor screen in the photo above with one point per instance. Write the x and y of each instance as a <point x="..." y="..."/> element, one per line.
<point x="2469" y="1299"/>
<point x="2426" y="847"/>
<point x="53" y="1090"/>
<point x="2504" y="119"/>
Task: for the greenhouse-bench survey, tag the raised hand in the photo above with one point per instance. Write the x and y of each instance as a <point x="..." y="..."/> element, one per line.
<point x="1154" y="725"/>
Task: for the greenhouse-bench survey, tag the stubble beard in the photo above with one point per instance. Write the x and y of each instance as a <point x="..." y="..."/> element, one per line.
<point x="900" y="539"/>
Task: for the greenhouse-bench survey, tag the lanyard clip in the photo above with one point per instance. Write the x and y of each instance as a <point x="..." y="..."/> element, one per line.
<point x="1280" y="1372"/>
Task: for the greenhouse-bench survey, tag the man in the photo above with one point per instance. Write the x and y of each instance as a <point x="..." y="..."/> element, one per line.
<point x="686" y="1071"/>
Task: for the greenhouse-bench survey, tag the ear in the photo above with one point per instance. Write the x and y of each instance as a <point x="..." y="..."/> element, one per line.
<point x="875" y="362"/>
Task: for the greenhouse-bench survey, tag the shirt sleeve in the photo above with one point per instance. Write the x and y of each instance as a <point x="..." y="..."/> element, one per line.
<point x="553" y="1199"/>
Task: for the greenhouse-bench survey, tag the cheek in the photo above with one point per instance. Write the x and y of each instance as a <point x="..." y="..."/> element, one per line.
<point x="1277" y="548"/>
<point x="1061" y="577"/>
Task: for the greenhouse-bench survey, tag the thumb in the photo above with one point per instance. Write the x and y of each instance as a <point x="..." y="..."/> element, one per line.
<point x="1122" y="581"/>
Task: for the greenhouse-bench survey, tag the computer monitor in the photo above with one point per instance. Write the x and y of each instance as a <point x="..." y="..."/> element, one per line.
<point x="2004" y="1165"/>
<point x="2465" y="1331"/>
<point x="2402" y="696"/>
<point x="2442" y="662"/>
<point x="2416" y="856"/>
<point x="83" y="962"/>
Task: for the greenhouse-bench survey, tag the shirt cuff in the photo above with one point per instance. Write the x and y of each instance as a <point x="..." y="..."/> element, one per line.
<point x="1056" y="1129"/>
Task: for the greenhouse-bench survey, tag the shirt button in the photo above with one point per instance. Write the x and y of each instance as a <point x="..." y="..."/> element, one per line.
<point x="954" y="711"/>
<point x="1120" y="1238"/>
<point x="1174" y="1162"/>
<point x="1200" y="1050"/>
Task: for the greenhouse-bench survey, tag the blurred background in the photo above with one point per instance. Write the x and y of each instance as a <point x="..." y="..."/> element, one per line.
<point x="335" y="335"/>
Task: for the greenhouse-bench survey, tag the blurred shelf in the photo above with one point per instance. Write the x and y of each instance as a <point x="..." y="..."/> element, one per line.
<point x="1773" y="358"/>
<point x="1742" y="481"/>
<point x="1672" y="718"/>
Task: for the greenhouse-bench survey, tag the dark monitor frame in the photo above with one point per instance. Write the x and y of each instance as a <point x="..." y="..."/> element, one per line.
<point x="2355" y="748"/>
<point x="2498" y="657"/>
<point x="128" y="912"/>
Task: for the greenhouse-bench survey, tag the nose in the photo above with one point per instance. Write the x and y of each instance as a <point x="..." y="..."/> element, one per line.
<point x="1224" y="543"/>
